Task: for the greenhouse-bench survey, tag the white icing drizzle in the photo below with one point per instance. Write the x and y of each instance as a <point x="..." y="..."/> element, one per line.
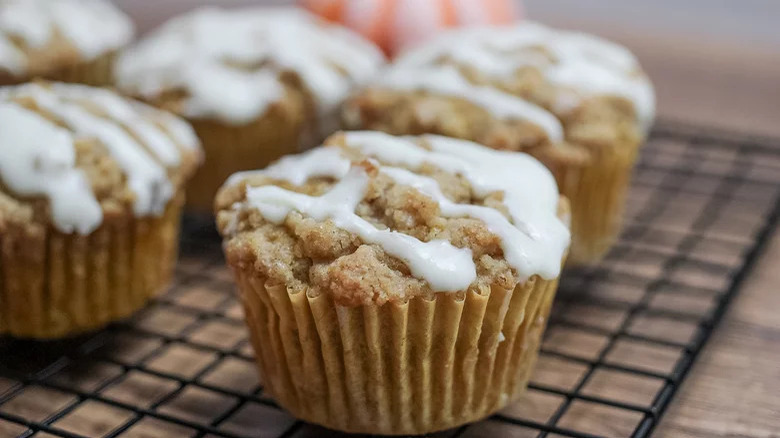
<point x="201" y="52"/>
<point x="11" y="58"/>
<point x="38" y="158"/>
<point x="93" y="27"/>
<point x="122" y="110"/>
<point x="533" y="238"/>
<point x="584" y="65"/>
<point x="448" y="81"/>
<point x="144" y="157"/>
<point x="297" y="169"/>
<point x="146" y="178"/>
<point x="443" y="266"/>
<point x="181" y="131"/>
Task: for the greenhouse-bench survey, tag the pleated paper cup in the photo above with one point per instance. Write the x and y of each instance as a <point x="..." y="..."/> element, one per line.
<point x="233" y="148"/>
<point x="55" y="285"/>
<point x="597" y="193"/>
<point x="397" y="368"/>
<point x="98" y="72"/>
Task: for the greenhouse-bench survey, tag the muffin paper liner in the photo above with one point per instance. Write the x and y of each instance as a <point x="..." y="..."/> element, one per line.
<point x="597" y="193"/>
<point x="397" y="368"/>
<point x="230" y="149"/>
<point x="55" y="285"/>
<point x="98" y="72"/>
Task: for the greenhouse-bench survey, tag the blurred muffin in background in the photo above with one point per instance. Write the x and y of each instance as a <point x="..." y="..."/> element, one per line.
<point x="63" y="40"/>
<point x="91" y="186"/>
<point x="398" y="24"/>
<point x="395" y="285"/>
<point x="255" y="83"/>
<point x="580" y="104"/>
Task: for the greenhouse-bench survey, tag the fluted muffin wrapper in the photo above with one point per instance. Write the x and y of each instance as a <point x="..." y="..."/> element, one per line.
<point x="98" y="72"/>
<point x="397" y="368"/>
<point x="597" y="193"/>
<point x="54" y="285"/>
<point x="233" y="148"/>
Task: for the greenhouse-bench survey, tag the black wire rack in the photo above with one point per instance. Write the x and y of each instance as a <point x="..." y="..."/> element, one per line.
<point x="623" y="336"/>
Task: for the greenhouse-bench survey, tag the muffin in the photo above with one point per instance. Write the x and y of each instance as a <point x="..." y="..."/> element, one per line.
<point x="395" y="285"/>
<point x="91" y="186"/>
<point x="255" y="83"/>
<point x="62" y="40"/>
<point x="578" y="103"/>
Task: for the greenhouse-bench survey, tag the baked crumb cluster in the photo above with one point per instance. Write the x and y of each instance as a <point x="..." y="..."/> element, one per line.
<point x="39" y="36"/>
<point x="522" y="88"/>
<point x="316" y="255"/>
<point x="73" y="157"/>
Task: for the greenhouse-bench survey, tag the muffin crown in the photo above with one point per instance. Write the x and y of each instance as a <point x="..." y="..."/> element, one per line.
<point x="88" y="151"/>
<point x="579" y="66"/>
<point x="387" y="191"/>
<point x="230" y="64"/>
<point x="29" y="29"/>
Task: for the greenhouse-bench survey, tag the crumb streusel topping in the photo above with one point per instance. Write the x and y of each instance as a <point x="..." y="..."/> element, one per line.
<point x="519" y="87"/>
<point x="371" y="218"/>
<point x="72" y="154"/>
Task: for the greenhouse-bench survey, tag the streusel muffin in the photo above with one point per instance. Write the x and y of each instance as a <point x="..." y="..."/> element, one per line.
<point x="255" y="83"/>
<point x="579" y="103"/>
<point x="63" y="40"/>
<point x="91" y="186"/>
<point x="395" y="285"/>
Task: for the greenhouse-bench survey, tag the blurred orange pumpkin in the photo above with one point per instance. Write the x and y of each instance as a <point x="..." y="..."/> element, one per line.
<point x="396" y="24"/>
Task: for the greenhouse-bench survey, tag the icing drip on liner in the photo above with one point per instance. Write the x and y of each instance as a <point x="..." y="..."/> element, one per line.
<point x="93" y="27"/>
<point x="26" y="138"/>
<point x="583" y="65"/>
<point x="229" y="61"/>
<point x="533" y="238"/>
<point x="38" y="158"/>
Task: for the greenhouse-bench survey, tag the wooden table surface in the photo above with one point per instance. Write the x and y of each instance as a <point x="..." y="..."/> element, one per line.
<point x="734" y="388"/>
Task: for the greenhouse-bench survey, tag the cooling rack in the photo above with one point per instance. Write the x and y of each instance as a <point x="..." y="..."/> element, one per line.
<point x="623" y="336"/>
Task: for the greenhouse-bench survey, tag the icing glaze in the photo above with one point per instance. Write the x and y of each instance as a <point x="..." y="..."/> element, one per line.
<point x="44" y="164"/>
<point x="143" y="150"/>
<point x="448" y="81"/>
<point x="230" y="61"/>
<point x="297" y="169"/>
<point x="532" y="237"/>
<point x="443" y="266"/>
<point x="123" y="111"/>
<point x="534" y="240"/>
<point x="92" y="27"/>
<point x="582" y="65"/>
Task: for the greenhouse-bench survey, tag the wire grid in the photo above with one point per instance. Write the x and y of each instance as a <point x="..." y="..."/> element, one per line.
<point x="623" y="336"/>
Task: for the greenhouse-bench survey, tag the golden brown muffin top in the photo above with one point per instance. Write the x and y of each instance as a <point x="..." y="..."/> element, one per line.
<point x="523" y="87"/>
<point x="73" y="156"/>
<point x="372" y="218"/>
<point x="232" y="65"/>
<point x="40" y="36"/>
